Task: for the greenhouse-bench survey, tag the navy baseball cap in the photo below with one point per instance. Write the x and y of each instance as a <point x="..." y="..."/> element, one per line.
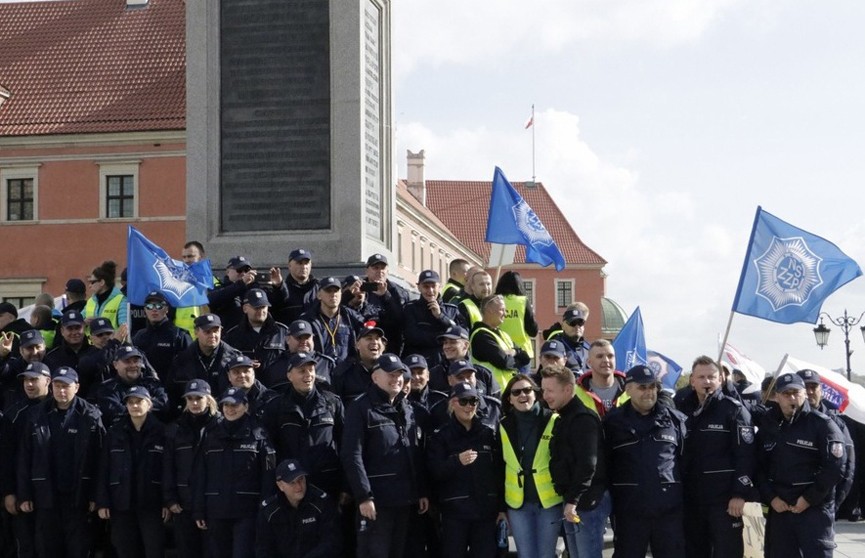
<point x="155" y="295"/>
<point x="196" y="387"/>
<point x="75" y="286"/>
<point x="238" y="361"/>
<point x="233" y="395"/>
<point x="256" y="298"/>
<point x="428" y="276"/>
<point x="31" y="337"/>
<point x="553" y="347"/>
<point x="299" y="254"/>
<point x="65" y="374"/>
<point x="376" y="259"/>
<point x="8" y="308"/>
<point x="126" y="351"/>
<point x="137" y="391"/>
<point x="35" y="370"/>
<point x="574" y="317"/>
<point x="329" y="282"/>
<point x="389" y="362"/>
<point x="789" y="381"/>
<point x="208" y="321"/>
<point x="454" y="332"/>
<point x="464" y="389"/>
<point x="416" y="361"/>
<point x="101" y="325"/>
<point x="298" y="359"/>
<point x="460" y="365"/>
<point x="299" y="328"/>
<point x="289" y="470"/>
<point x="370" y="328"/>
<point x="239" y="263"/>
<point x="809" y="376"/>
<point x="72" y="317"/>
<point x="640" y="374"/>
<point x="350" y="280"/>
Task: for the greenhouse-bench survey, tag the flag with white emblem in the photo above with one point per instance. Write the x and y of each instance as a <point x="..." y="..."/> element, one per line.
<point x="150" y="268"/>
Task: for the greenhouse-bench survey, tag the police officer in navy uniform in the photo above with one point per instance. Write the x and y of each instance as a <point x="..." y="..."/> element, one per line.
<point x="384" y="305"/>
<point x="31" y="350"/>
<point x="57" y="460"/>
<point x="464" y="457"/>
<point x="234" y="473"/>
<point x="160" y="341"/>
<point x="420" y="392"/>
<point x="814" y="393"/>
<point x="241" y="374"/>
<point x="299" y="340"/>
<point x="306" y="423"/>
<point x="130" y="476"/>
<point x="427" y="317"/>
<point x="299" y="521"/>
<point x="296" y="293"/>
<point x="800" y="456"/>
<point x="226" y="300"/>
<point x="645" y="441"/>
<point x="383" y="462"/>
<point x="489" y="410"/>
<point x="111" y="394"/>
<point x="74" y="344"/>
<point x="258" y="335"/>
<point x="455" y="346"/>
<point x="352" y="377"/>
<point x="718" y="467"/>
<point x="36" y="381"/>
<point x="570" y="332"/>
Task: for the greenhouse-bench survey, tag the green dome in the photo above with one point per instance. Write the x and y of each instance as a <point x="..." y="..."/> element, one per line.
<point x="613" y="317"/>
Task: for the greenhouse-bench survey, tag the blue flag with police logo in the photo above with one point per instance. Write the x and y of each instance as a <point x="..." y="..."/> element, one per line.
<point x="150" y="268"/>
<point x="512" y="221"/>
<point x="665" y="368"/>
<point x="630" y="343"/>
<point x="788" y="272"/>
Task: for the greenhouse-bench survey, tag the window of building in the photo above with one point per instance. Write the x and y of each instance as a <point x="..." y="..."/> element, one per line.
<point x="19" y="193"/>
<point x="529" y="287"/>
<point x="399" y="250"/>
<point x="118" y="190"/>
<point x="20" y="292"/>
<point x="564" y="293"/>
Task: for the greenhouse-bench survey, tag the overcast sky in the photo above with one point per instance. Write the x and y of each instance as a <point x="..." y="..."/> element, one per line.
<point x="661" y="125"/>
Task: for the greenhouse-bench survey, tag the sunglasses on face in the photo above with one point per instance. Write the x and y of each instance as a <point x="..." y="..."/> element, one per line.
<point x="577" y="323"/>
<point x="466" y="401"/>
<point x="154" y="306"/>
<point x="522" y="391"/>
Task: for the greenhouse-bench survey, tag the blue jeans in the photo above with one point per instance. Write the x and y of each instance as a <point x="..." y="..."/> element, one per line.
<point x="586" y="539"/>
<point x="535" y="530"/>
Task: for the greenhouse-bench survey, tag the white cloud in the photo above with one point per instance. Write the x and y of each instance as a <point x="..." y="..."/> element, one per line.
<point x="437" y="32"/>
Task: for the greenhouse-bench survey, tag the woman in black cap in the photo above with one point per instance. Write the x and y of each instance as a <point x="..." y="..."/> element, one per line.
<point x="182" y="439"/>
<point x="130" y="476"/>
<point x="233" y="475"/>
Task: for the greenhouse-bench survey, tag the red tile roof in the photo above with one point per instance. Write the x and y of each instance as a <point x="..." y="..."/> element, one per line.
<point x="89" y="66"/>
<point x="463" y="205"/>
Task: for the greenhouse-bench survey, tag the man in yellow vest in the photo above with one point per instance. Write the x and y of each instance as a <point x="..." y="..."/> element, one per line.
<point x="456" y="280"/>
<point x="492" y="347"/>
<point x="479" y="286"/>
<point x="602" y="387"/>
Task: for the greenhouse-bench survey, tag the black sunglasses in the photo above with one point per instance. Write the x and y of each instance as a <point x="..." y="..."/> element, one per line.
<point x="522" y="391"/>
<point x="154" y="306"/>
<point x="465" y="401"/>
<point x="577" y="322"/>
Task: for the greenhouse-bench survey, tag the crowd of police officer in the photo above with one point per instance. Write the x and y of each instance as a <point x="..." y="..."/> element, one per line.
<point x="369" y="424"/>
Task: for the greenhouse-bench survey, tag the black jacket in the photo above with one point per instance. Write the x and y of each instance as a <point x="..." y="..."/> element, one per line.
<point x="110" y="394"/>
<point x="351" y="379"/>
<point x="226" y="301"/>
<point x="275" y="377"/>
<point x="37" y="481"/>
<point x="265" y="345"/>
<point x="309" y="531"/>
<point x="290" y="300"/>
<point x="234" y="470"/>
<point x="421" y="329"/>
<point x="470" y="491"/>
<point x="345" y="335"/>
<point x="131" y="470"/>
<point x="192" y="364"/>
<point x="161" y="343"/>
<point x="381" y="450"/>
<point x="719" y="455"/>
<point x="182" y="439"/>
<point x="386" y="310"/>
<point x="848" y="468"/>
<point x="309" y="429"/>
<point x="578" y="461"/>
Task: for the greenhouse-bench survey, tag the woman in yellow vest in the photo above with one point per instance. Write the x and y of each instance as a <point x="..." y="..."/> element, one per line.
<point x="519" y="321"/>
<point x="491" y="347"/>
<point x="534" y="510"/>
<point x="106" y="300"/>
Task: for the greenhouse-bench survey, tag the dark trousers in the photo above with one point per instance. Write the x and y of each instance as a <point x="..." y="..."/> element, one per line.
<point x="477" y="535"/>
<point x="231" y="538"/>
<point x="423" y="540"/>
<point x="64" y="532"/>
<point x="24" y="527"/>
<point x="187" y="536"/>
<point x="710" y="532"/>
<point x="138" y="534"/>
<point x="385" y="537"/>
<point x="809" y="532"/>
<point x="636" y="534"/>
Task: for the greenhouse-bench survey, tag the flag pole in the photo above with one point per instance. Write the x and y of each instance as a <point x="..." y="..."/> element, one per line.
<point x="533" y="143"/>
<point x="775" y="378"/>
<point x="726" y="336"/>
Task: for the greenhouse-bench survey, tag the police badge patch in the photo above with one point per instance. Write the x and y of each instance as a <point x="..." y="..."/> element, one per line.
<point x="836" y="449"/>
<point x="530" y="225"/>
<point x="745" y="480"/>
<point x="746" y="433"/>
<point x="788" y="272"/>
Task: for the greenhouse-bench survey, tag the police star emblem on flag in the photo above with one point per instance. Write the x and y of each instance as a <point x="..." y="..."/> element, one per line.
<point x="530" y="225"/>
<point x="788" y="272"/>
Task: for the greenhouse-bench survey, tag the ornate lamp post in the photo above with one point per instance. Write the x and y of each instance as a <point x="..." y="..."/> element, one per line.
<point x="846" y="323"/>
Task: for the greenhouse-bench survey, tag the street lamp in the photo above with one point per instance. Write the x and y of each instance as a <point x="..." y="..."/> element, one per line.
<point x="846" y="323"/>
